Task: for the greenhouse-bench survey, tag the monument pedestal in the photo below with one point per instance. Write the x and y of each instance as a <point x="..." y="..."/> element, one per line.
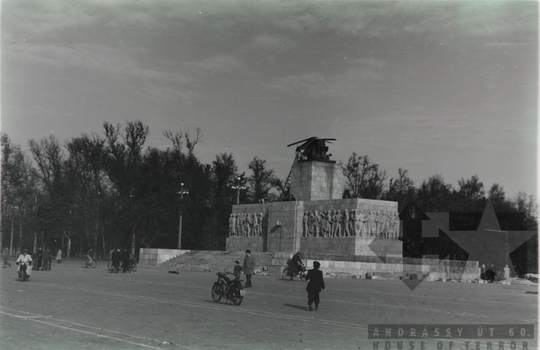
<point x="319" y="221"/>
<point x="352" y="246"/>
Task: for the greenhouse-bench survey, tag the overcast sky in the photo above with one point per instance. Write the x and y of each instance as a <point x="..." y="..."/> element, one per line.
<point x="432" y="87"/>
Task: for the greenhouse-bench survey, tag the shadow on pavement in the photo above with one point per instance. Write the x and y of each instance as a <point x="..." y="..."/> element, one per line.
<point x="297" y="306"/>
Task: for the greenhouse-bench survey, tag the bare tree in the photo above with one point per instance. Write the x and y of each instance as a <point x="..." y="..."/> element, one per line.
<point x="365" y="180"/>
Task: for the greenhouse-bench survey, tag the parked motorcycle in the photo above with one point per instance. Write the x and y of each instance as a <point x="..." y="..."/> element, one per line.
<point x="302" y="273"/>
<point x="231" y="290"/>
<point x="23" y="274"/>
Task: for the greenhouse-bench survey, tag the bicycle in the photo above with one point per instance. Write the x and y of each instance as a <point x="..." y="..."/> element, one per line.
<point x="132" y="266"/>
<point x="88" y="262"/>
<point x="302" y="273"/>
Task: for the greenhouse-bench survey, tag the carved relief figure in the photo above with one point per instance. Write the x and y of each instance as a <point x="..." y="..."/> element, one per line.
<point x="346" y="219"/>
<point x="232" y="225"/>
<point x="240" y="222"/>
<point x="395" y="226"/>
<point x="361" y="225"/>
<point x="352" y="222"/>
<point x="379" y="219"/>
<point x="376" y="224"/>
<point x="260" y="224"/>
<point x="369" y="224"/>
<point x="384" y="224"/>
<point x="317" y="224"/>
<point x="256" y="225"/>
<point x="339" y="224"/>
<point x="326" y="223"/>
<point x="311" y="223"/>
<point x="305" y="224"/>
<point x="330" y="218"/>
<point x="249" y="225"/>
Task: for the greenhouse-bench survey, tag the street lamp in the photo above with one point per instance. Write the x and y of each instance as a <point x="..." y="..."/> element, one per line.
<point x="182" y="192"/>
<point x="238" y="187"/>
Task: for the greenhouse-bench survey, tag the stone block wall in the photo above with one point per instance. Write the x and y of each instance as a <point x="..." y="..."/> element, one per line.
<point x="285" y="236"/>
<point x="317" y="180"/>
<point x="255" y="244"/>
<point x="283" y="228"/>
<point x="321" y="245"/>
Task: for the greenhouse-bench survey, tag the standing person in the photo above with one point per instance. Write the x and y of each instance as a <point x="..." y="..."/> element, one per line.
<point x="6" y="256"/>
<point x="125" y="260"/>
<point x="237" y="270"/>
<point x="110" y="258"/>
<point x="46" y="259"/>
<point x="40" y="259"/>
<point x="249" y="266"/>
<point x="27" y="259"/>
<point x="315" y="285"/>
<point x="59" y="256"/>
<point x="506" y="275"/>
<point x="116" y="256"/>
<point x="35" y="258"/>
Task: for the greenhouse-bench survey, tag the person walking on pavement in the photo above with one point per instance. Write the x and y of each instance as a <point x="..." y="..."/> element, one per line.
<point x="315" y="285"/>
<point x="125" y="260"/>
<point x="59" y="256"/>
<point x="116" y="257"/>
<point x="6" y="256"/>
<point x="47" y="259"/>
<point x="249" y="267"/>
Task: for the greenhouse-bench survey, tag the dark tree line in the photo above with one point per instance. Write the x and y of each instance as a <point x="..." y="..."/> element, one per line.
<point x="110" y="190"/>
<point x="465" y="205"/>
<point x="105" y="191"/>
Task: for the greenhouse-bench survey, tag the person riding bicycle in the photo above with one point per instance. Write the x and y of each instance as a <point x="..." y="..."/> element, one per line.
<point x="27" y="259"/>
<point x="89" y="256"/>
<point x="296" y="263"/>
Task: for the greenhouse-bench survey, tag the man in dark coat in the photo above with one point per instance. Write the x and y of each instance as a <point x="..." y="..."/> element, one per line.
<point x="315" y="285"/>
<point x="125" y="260"/>
<point x="249" y="267"/>
<point x="116" y="256"/>
<point x="47" y="259"/>
<point x="296" y="263"/>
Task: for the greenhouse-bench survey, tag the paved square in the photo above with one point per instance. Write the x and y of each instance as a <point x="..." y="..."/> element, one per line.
<point x="75" y="308"/>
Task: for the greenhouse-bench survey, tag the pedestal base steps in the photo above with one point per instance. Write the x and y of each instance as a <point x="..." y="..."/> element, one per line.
<point x="339" y="266"/>
<point x="333" y="266"/>
<point x="205" y="260"/>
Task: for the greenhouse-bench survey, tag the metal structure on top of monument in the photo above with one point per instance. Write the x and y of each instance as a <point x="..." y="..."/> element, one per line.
<point x="309" y="149"/>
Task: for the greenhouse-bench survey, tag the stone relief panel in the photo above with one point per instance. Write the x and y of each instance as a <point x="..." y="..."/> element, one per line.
<point x="351" y="223"/>
<point x="245" y="225"/>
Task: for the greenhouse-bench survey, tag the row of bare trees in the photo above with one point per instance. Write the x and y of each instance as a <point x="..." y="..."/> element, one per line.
<point x="110" y="190"/>
<point x="366" y="180"/>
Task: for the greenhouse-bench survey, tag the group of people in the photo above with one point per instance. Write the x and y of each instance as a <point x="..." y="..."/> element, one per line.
<point x="118" y="256"/>
<point x="43" y="259"/>
<point x="314" y="276"/>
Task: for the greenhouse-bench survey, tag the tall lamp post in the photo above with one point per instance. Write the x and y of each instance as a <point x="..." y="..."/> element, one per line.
<point x="238" y="187"/>
<point x="182" y="192"/>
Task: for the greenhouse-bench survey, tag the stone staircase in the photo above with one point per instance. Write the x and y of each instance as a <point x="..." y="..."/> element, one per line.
<point x="203" y="260"/>
<point x="332" y="266"/>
